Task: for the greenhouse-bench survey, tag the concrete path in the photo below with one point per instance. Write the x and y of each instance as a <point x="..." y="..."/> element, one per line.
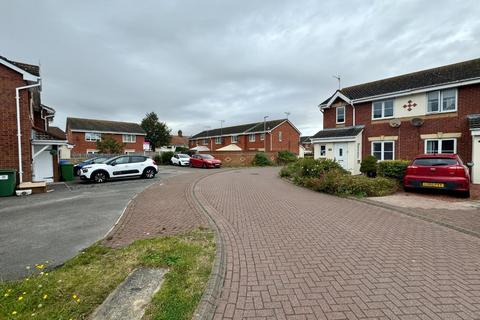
<point x="295" y="254"/>
<point x="56" y="226"/>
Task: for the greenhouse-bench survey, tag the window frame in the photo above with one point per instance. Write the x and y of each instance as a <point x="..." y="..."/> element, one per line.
<point x="262" y="136"/>
<point x="382" y="151"/>
<point x="280" y="136"/>
<point x="440" y="101"/>
<point x="205" y="141"/>
<point x="323" y="153"/>
<point x="93" y="133"/>
<point x="344" y="115"/>
<point x="382" y="117"/>
<point x="250" y="137"/>
<point x="218" y="140"/>
<point x="129" y="140"/>
<point x="234" y="139"/>
<point x="440" y="142"/>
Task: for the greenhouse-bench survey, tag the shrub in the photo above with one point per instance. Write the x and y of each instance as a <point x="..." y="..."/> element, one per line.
<point x="369" y="166"/>
<point x="392" y="169"/>
<point x="329" y="177"/>
<point x="165" y="157"/>
<point x="261" y="160"/>
<point x="285" y="157"/>
<point x="181" y="150"/>
<point x="157" y="158"/>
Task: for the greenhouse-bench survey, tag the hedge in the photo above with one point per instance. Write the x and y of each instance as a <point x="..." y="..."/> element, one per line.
<point x="285" y="157"/>
<point x="394" y="169"/>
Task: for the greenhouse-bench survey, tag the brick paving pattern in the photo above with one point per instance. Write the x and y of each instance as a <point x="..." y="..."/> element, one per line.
<point x="296" y="254"/>
<point x="165" y="208"/>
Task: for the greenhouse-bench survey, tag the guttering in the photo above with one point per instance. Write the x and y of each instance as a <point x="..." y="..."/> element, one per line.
<point x="19" y="131"/>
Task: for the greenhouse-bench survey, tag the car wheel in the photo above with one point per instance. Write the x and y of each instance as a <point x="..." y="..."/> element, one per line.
<point x="100" y="177"/>
<point x="149" y="173"/>
<point x="204" y="166"/>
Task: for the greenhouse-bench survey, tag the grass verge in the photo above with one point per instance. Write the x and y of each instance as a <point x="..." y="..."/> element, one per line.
<point x="74" y="290"/>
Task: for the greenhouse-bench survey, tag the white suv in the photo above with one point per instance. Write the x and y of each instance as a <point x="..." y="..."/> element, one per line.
<point x="180" y="160"/>
<point x="120" y="167"/>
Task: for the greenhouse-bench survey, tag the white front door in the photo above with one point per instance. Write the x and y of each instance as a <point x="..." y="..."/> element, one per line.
<point x="476" y="159"/>
<point x="340" y="150"/>
<point x="43" y="166"/>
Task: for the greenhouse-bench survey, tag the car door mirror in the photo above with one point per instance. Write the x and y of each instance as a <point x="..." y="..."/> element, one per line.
<point x="112" y="164"/>
<point x="469" y="164"/>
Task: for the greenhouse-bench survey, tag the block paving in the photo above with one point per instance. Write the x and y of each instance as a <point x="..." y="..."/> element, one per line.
<point x="297" y="254"/>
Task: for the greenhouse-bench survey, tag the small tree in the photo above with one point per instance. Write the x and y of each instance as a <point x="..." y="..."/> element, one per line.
<point x="369" y="166"/>
<point x="158" y="133"/>
<point x="108" y="145"/>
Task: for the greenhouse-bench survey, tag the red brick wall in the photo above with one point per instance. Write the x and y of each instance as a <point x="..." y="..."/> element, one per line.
<point x="330" y="117"/>
<point x="9" y="80"/>
<point x="290" y="141"/>
<point x="409" y="143"/>
<point x="81" y="145"/>
<point x="238" y="158"/>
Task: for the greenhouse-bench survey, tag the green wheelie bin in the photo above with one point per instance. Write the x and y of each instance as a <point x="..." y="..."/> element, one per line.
<point x="67" y="171"/>
<point x="8" y="181"/>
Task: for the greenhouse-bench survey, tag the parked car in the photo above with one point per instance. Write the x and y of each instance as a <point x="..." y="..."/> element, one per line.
<point x="438" y="171"/>
<point x="120" y="167"/>
<point x="77" y="168"/>
<point x="180" y="159"/>
<point x="204" y="161"/>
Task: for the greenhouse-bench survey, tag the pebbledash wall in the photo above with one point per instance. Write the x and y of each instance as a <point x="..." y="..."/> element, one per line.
<point x="9" y="80"/>
<point x="82" y="146"/>
<point x="409" y="142"/>
<point x="290" y="141"/>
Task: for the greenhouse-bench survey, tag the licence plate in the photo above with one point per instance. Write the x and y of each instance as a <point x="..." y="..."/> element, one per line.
<point x="433" y="185"/>
<point x="3" y="177"/>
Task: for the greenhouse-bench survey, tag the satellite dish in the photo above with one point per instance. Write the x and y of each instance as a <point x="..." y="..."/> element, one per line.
<point x="395" y="123"/>
<point x="416" y="122"/>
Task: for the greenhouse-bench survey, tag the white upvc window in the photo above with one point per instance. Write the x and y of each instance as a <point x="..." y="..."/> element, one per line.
<point x="92" y="151"/>
<point x="441" y="146"/>
<point x="129" y="138"/>
<point x="340" y="114"/>
<point x="218" y="140"/>
<point x="234" y="139"/>
<point x="262" y="136"/>
<point x="323" y="150"/>
<point x="93" y="136"/>
<point x="251" y="137"/>
<point x="129" y="151"/>
<point x="383" y="150"/>
<point x="442" y="101"/>
<point x="205" y="141"/>
<point x="382" y="109"/>
<point x="280" y="136"/>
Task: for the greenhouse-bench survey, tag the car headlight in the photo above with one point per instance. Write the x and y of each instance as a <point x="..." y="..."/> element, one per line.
<point x="84" y="170"/>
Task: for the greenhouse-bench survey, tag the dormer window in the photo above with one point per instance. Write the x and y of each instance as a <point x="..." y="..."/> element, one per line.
<point x="341" y="114"/>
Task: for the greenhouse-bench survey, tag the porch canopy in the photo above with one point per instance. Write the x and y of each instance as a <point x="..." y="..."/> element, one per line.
<point x="200" y="148"/>
<point x="230" y="147"/>
<point x="337" y="134"/>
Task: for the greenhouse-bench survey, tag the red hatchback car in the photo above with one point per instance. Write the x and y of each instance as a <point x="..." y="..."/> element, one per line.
<point x="438" y="171"/>
<point x="204" y="161"/>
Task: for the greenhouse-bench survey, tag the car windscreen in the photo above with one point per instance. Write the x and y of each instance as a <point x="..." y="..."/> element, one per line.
<point x="435" y="162"/>
<point x="206" y="156"/>
<point x="183" y="156"/>
<point x="100" y="160"/>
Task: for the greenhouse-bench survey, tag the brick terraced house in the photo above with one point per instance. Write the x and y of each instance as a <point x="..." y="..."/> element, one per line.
<point x="27" y="143"/>
<point x="269" y="136"/>
<point x="83" y="134"/>
<point x="430" y="111"/>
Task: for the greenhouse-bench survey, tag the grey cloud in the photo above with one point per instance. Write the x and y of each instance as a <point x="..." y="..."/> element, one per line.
<point x="196" y="62"/>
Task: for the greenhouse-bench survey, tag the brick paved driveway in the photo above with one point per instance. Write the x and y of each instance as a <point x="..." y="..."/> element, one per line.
<point x="296" y="254"/>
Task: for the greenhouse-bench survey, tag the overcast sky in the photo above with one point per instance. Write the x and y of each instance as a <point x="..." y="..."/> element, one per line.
<point x="197" y="62"/>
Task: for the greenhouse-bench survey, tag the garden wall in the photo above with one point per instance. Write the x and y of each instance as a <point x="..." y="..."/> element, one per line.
<point x="238" y="158"/>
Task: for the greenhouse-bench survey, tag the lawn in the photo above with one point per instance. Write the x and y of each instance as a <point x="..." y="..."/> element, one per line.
<point x="74" y="290"/>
